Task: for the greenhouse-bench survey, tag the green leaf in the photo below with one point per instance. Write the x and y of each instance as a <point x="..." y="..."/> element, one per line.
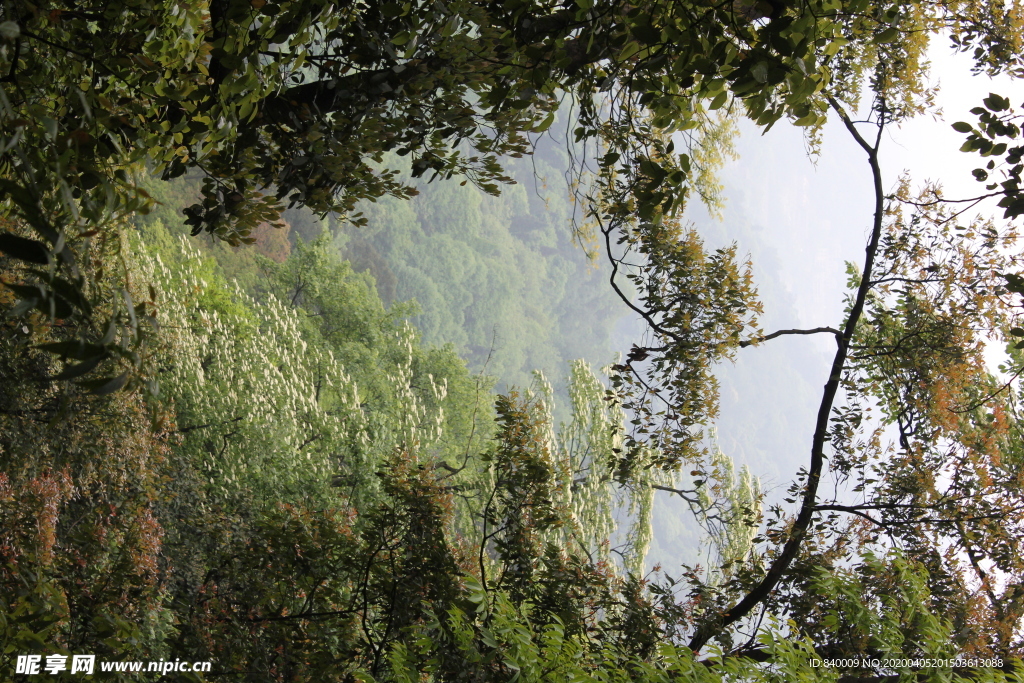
<point x="72" y="293"/>
<point x="631" y="49"/>
<point x="995" y="102"/>
<point x="545" y="124"/>
<point x="106" y="385"/>
<point x="29" y="204"/>
<point x="962" y="127"/>
<point x="73" y="371"/>
<point x="487" y="638"/>
<point x="24" y="249"/>
<point x="834" y="46"/>
<point x="1014" y="282"/>
<point x="888" y="35"/>
<point x="51" y="127"/>
<point x="131" y="309"/>
<point x="78" y="350"/>
<point x="28" y="291"/>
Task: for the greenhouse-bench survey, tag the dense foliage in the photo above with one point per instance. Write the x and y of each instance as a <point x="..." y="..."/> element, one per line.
<point x="255" y="460"/>
<point x="342" y="438"/>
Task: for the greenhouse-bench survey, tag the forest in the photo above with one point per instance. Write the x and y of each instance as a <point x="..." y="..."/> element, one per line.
<point x="308" y="351"/>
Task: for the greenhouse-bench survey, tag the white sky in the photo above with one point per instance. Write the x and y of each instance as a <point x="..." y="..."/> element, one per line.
<point x="818" y="216"/>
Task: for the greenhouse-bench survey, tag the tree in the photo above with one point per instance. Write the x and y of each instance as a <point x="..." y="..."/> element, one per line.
<point x="300" y="101"/>
<point x="931" y="289"/>
<point x="82" y="484"/>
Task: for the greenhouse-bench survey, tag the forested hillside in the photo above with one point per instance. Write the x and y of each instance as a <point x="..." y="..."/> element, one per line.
<point x="498" y="277"/>
<point x="302" y="421"/>
<point x="501" y="279"/>
<point x="276" y="276"/>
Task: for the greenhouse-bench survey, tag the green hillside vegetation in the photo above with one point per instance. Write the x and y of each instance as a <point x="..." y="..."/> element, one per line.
<point x="303" y="423"/>
<point x="500" y="278"/>
<point x="317" y="496"/>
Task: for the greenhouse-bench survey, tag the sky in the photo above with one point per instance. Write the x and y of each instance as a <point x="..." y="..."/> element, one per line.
<point x="814" y="217"/>
<point x="818" y="214"/>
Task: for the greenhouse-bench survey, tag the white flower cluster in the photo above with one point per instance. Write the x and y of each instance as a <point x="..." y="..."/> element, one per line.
<point x="605" y="515"/>
<point x="270" y="414"/>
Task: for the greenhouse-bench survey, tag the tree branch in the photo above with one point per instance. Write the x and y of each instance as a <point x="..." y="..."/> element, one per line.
<point x="643" y="313"/>
<point x="773" y="335"/>
<point x="798" y="531"/>
<point x="186" y="430"/>
<point x="682" y="493"/>
<point x="305" y="615"/>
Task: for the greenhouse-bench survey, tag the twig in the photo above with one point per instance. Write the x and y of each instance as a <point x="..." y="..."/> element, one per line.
<point x="773" y="335"/>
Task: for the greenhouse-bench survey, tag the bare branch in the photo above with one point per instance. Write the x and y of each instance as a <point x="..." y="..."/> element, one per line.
<point x="773" y="335"/>
<point x="682" y="493"/>
<point x="798" y="531"/>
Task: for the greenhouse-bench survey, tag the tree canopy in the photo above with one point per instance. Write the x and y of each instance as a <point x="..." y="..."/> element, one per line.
<point x="302" y="99"/>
